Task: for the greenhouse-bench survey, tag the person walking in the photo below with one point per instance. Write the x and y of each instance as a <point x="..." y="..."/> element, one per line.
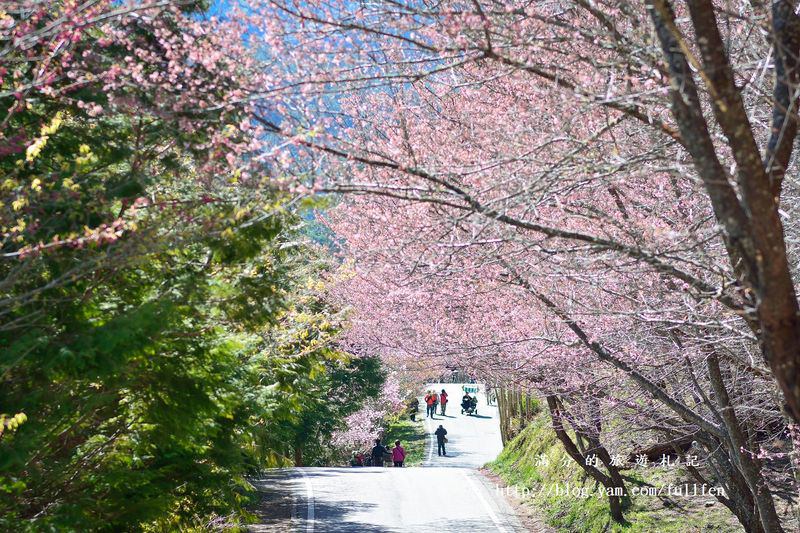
<point x="435" y="402"/>
<point x="443" y="401"/>
<point x="429" y="404"/>
<point x="398" y="454"/>
<point x="441" y="440"/>
<point x="377" y="453"/>
<point x="413" y="408"/>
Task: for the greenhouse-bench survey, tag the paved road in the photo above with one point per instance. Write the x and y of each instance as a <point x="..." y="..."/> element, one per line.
<point x="446" y="494"/>
<point x="473" y="440"/>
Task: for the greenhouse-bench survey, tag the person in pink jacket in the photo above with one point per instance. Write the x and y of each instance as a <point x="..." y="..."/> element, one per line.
<point x="398" y="454"/>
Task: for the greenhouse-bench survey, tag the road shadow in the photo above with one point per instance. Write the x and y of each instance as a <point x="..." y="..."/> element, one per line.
<point x="450" y="455"/>
<point x="335" y="471"/>
<point x="339" y="516"/>
<point x="480" y="416"/>
<point x="283" y="507"/>
<point x="274" y="504"/>
<point x="276" y="514"/>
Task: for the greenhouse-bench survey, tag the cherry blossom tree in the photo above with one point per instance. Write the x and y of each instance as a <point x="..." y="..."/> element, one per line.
<point x="117" y="115"/>
<point x="624" y="166"/>
<point x="439" y="305"/>
<point x="563" y="195"/>
<point x="365" y="425"/>
<point x="637" y="81"/>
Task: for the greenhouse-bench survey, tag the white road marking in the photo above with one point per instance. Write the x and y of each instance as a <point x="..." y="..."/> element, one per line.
<point x="486" y="505"/>
<point x="430" y="441"/>
<point x="310" y="499"/>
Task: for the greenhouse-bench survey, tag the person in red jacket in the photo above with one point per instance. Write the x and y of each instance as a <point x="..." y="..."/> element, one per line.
<point x="429" y="403"/>
<point x="398" y="454"/>
<point x="443" y="400"/>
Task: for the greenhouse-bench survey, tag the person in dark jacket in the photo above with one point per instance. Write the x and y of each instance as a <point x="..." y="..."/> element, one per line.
<point x="466" y="402"/>
<point x="378" y="452"/>
<point x="441" y="440"/>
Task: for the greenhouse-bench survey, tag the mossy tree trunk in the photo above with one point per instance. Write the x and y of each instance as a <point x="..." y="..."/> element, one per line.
<point x="612" y="482"/>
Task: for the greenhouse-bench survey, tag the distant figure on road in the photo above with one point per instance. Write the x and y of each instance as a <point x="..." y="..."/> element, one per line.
<point x="435" y="402"/>
<point x="398" y="454"/>
<point x="466" y="401"/>
<point x="413" y="407"/>
<point x="441" y="440"/>
<point x="469" y="404"/>
<point x="377" y="453"/>
<point x="443" y="400"/>
<point x="429" y="404"/>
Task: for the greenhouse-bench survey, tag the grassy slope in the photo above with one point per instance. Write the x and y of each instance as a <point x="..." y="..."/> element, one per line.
<point x="411" y="436"/>
<point x="537" y="444"/>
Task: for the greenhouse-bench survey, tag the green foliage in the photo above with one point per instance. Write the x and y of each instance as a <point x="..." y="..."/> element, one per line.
<point x="411" y="435"/>
<point x="132" y="388"/>
<point x="148" y="370"/>
<point x="153" y="389"/>
<point x="332" y="386"/>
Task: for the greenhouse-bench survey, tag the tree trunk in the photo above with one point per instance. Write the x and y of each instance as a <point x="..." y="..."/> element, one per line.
<point x="614" y="501"/>
<point x="753" y="231"/>
<point x="501" y="407"/>
<point x="739" y="498"/>
<point x="298" y="455"/>
<point x="746" y="464"/>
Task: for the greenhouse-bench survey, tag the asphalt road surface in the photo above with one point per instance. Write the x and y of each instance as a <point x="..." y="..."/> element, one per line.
<point x="446" y="494"/>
